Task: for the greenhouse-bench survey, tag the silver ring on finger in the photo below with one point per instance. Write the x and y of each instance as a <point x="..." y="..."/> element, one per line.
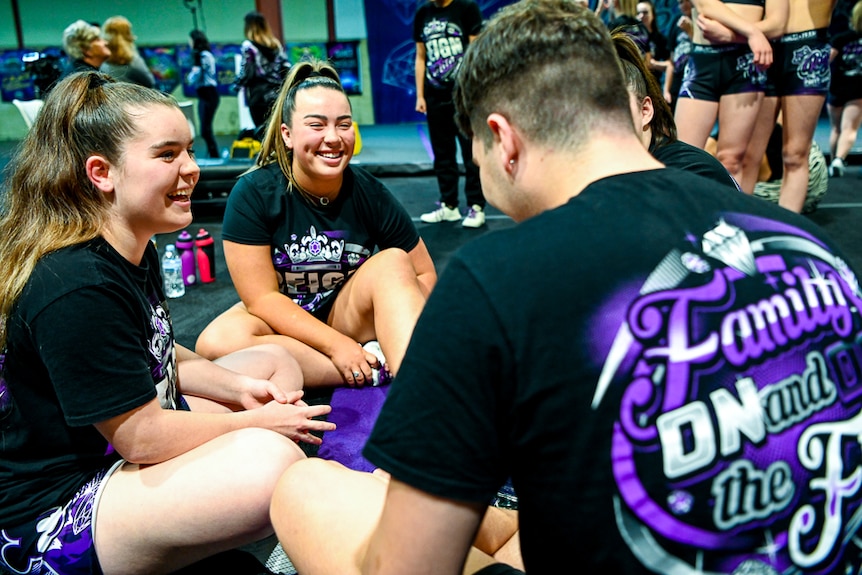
<point x="356" y="375"/>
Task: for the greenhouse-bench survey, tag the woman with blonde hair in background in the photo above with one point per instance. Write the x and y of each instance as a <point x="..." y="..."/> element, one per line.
<point x="125" y="62"/>
<point x="263" y="59"/>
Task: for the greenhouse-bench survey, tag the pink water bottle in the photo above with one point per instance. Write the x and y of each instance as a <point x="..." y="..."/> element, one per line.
<point x="206" y="256"/>
<point x="186" y="247"/>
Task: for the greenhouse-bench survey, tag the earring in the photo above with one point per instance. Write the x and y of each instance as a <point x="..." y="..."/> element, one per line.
<point x="512" y="162"/>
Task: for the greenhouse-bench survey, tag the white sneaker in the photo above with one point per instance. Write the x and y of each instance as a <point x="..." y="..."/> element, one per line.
<point x="475" y="218"/>
<point x="836" y="168"/>
<point x="443" y="213"/>
<point x="378" y="376"/>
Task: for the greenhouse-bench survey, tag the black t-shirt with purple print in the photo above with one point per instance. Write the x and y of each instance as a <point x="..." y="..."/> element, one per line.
<point x="316" y="248"/>
<point x="89" y="339"/>
<point x="446" y="33"/>
<point x="668" y="371"/>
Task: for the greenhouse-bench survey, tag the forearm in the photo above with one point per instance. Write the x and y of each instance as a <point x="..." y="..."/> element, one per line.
<point x="285" y="317"/>
<point x="419" y="70"/>
<point x="715" y="10"/>
<point x="668" y="77"/>
<point x="203" y="378"/>
<point x="150" y="434"/>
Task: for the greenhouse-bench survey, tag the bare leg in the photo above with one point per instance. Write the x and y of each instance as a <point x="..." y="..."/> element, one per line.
<point x="498" y="536"/>
<point x="300" y="515"/>
<point x="695" y="120"/>
<point x="304" y="521"/>
<point x="799" y="118"/>
<point x="158" y="518"/>
<point x="236" y="329"/>
<point x="736" y="119"/>
<point x="850" y="121"/>
<point x="757" y="144"/>
<point x="382" y="302"/>
<point x="834" y="128"/>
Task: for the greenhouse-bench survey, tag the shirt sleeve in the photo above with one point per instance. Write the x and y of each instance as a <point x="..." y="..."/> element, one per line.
<point x="245" y="215"/>
<point x="473" y="19"/>
<point x="95" y="355"/>
<point x="395" y="227"/>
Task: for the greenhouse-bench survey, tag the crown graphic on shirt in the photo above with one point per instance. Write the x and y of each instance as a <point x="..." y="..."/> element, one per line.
<point x="315" y="247"/>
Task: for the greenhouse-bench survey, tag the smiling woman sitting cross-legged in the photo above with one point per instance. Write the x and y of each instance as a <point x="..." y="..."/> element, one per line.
<point x="324" y="258"/>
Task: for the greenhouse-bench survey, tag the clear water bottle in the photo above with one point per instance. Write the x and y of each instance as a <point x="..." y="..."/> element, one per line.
<point x="172" y="272"/>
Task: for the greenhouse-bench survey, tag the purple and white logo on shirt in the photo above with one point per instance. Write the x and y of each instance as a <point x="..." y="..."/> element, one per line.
<point x="738" y="445"/>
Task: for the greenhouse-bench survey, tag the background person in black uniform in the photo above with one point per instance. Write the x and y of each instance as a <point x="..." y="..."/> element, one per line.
<point x="442" y="30"/>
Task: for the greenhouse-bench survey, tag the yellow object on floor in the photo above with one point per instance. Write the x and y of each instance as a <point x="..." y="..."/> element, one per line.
<point x="245" y="148"/>
<point x="357" y="146"/>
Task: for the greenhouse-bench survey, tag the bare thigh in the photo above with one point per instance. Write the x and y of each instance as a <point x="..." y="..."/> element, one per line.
<point x="157" y="518"/>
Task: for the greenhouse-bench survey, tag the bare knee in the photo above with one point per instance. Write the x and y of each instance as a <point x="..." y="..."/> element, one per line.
<point x="796" y="158"/>
<point x="260" y="457"/>
<point x="225" y="334"/>
<point x="392" y="258"/>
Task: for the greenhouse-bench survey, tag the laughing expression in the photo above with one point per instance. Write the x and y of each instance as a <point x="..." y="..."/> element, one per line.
<point x="322" y="137"/>
<point x="154" y="182"/>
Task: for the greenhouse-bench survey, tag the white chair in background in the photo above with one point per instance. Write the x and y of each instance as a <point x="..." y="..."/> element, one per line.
<point x="188" y="108"/>
<point x="28" y="109"/>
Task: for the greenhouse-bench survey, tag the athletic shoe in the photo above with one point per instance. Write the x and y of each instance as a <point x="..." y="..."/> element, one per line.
<point x="378" y="376"/>
<point x="836" y="168"/>
<point x="475" y="218"/>
<point x="443" y="213"/>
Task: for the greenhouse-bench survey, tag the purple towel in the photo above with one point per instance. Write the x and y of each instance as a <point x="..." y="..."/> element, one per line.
<point x="354" y="411"/>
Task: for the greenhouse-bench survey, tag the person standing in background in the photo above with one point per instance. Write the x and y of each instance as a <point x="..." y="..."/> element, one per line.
<point x="203" y="78"/>
<point x="844" y="102"/>
<point x="679" y="47"/>
<point x="724" y="81"/>
<point x="796" y="88"/>
<point x="659" y="62"/>
<point x="261" y="50"/>
<point x="442" y="30"/>
<point x="124" y="63"/>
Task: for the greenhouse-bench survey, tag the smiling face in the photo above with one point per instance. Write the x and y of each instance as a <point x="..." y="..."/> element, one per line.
<point x="153" y="183"/>
<point x="644" y="14"/>
<point x="322" y="137"/>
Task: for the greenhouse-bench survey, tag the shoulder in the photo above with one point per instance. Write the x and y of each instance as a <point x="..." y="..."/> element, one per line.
<point x="363" y="179"/>
<point x="686" y="157"/>
<point x="89" y="264"/>
<point x="265" y="179"/>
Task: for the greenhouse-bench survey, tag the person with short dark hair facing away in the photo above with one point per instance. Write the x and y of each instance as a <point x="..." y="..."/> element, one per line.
<point x="688" y="401"/>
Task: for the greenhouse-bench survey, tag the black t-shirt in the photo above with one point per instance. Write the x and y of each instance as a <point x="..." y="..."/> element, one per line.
<point x="446" y="33"/>
<point x="316" y="248"/>
<point x="679" y="49"/>
<point x="846" y="68"/>
<point x="89" y="339"/>
<point x="668" y="372"/>
<point x="679" y="154"/>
